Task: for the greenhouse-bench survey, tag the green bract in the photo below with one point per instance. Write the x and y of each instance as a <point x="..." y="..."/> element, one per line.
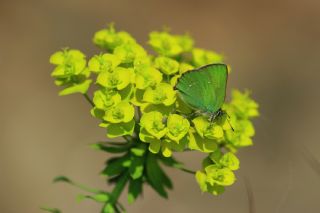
<point x="134" y="98"/>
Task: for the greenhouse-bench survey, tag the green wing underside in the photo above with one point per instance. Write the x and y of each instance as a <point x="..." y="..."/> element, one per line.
<point x="204" y="88"/>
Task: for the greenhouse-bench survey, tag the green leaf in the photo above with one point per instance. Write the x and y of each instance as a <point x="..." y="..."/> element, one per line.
<point x="166" y="180"/>
<point x="155" y="175"/>
<point x="135" y="189"/>
<point x="138" y="151"/>
<point x="101" y="197"/>
<point x="69" y="181"/>
<point x="171" y="161"/>
<point x="116" y="166"/>
<point x="62" y="179"/>
<point x="109" y="208"/>
<point x="136" y="167"/>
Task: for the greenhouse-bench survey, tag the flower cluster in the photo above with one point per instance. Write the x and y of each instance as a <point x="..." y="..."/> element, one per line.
<point x="135" y="98"/>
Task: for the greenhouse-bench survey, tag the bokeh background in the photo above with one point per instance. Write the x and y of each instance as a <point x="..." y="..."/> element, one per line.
<point x="273" y="47"/>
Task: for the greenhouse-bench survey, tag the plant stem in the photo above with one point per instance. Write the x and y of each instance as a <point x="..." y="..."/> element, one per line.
<point x="88" y="99"/>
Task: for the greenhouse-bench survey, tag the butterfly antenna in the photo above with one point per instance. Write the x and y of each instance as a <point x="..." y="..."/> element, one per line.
<point x="228" y="119"/>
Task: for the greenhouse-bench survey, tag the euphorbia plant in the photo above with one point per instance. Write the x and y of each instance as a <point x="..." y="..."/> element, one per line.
<point x="134" y="98"/>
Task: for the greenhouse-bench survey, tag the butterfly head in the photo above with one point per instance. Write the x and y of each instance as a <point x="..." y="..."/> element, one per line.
<point x="217" y="114"/>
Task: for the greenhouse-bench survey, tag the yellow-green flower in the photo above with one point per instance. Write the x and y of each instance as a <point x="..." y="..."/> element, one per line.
<point x="207" y="129"/>
<point x="109" y="38"/>
<point x="221" y="176"/>
<point x="178" y="127"/>
<point x="147" y="77"/>
<point x="152" y="122"/>
<point x="136" y="89"/>
<point x="71" y="71"/>
<point x="241" y="136"/>
<point x="196" y="142"/>
<point x="163" y="93"/>
<point x="169" y="45"/>
<point x="122" y="112"/>
<point x="102" y="63"/>
<point x="164" y="44"/>
<point x="201" y="57"/>
<point x="68" y="63"/>
<point x="242" y="105"/>
<point x="128" y="52"/>
<point x="104" y="99"/>
<point x="118" y="79"/>
<point x="167" y="65"/>
<point x="184" y="67"/>
<point x="230" y="161"/>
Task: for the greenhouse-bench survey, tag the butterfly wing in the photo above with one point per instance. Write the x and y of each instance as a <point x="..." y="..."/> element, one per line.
<point x="204" y="88"/>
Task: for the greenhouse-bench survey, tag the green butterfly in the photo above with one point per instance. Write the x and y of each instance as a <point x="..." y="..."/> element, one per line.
<point x="204" y="89"/>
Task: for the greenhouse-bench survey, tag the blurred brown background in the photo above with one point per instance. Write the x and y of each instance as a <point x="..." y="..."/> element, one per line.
<point x="273" y="47"/>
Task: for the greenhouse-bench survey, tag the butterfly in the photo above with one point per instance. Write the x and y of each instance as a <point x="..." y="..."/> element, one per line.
<point x="204" y="89"/>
